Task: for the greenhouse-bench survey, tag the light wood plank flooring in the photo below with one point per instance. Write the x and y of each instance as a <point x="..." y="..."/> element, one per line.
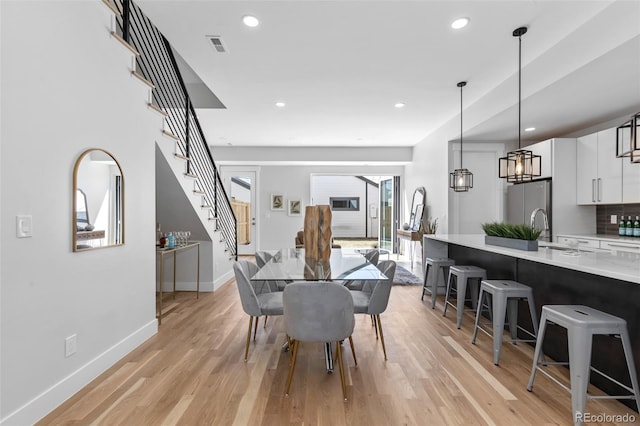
<point x="193" y="373"/>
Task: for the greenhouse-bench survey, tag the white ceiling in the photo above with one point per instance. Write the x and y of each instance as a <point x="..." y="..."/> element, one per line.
<point x="340" y="66"/>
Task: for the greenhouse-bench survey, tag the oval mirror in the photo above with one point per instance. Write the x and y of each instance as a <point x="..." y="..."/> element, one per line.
<point x="417" y="208"/>
<point x="98" y="201"/>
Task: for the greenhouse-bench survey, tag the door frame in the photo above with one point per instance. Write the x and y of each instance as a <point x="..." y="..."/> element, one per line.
<point x="226" y="173"/>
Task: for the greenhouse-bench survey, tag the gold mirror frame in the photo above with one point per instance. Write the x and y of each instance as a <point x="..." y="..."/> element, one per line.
<point x="109" y="228"/>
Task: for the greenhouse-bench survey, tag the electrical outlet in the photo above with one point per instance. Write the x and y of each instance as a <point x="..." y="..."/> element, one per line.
<point x="70" y="345"/>
<point x="614" y="218"/>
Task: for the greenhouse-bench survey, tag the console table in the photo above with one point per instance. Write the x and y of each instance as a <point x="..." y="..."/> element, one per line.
<point x="412" y="237"/>
<point x="161" y="253"/>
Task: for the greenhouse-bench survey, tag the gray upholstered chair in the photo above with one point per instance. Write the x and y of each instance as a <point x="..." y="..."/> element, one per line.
<point x="318" y="311"/>
<point x="254" y="305"/>
<point x="372" y="256"/>
<point x="375" y="303"/>
<point x="262" y="258"/>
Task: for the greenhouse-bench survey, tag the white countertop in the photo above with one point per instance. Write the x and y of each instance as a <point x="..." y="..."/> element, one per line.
<point x="623" y="266"/>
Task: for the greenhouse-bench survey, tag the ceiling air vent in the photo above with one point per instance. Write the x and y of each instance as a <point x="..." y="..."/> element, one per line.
<point x="216" y="41"/>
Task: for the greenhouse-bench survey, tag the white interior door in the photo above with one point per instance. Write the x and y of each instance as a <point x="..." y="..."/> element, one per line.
<point x="241" y="188"/>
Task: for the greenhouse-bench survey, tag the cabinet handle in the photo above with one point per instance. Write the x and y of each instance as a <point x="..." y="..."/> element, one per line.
<point x="599" y="188"/>
<point x="623" y="245"/>
<point x="593" y="190"/>
<point x="583" y="241"/>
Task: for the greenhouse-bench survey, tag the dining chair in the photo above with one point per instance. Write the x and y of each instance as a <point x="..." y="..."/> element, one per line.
<point x="372" y="256"/>
<point x="262" y="258"/>
<point x="318" y="311"/>
<point x="254" y="305"/>
<point x="375" y="302"/>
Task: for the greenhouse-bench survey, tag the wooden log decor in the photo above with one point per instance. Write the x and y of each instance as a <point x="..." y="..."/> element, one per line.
<point x="317" y="240"/>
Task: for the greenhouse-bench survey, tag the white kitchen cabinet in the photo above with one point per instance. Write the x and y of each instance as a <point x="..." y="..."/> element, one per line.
<point x="630" y="181"/>
<point x="620" y="246"/>
<point x="599" y="172"/>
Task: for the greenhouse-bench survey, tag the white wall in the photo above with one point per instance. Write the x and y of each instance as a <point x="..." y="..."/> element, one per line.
<point x="66" y="87"/>
<point x="276" y="228"/>
<point x="485" y="201"/>
<point x="346" y="224"/>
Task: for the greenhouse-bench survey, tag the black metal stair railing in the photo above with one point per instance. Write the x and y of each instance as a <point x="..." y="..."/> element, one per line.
<point x="157" y="64"/>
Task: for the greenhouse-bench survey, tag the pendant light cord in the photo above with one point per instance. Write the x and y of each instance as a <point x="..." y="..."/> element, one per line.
<point x="519" y="88"/>
<point x="461" y="126"/>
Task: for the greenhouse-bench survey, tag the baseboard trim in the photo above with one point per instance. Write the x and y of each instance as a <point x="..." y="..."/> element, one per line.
<point x="51" y="398"/>
<point x="222" y="280"/>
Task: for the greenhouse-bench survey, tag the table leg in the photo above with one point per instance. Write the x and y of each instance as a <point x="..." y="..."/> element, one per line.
<point x="328" y="357"/>
<point x="161" y="283"/>
<point x="198" y="275"/>
<point x="174" y="274"/>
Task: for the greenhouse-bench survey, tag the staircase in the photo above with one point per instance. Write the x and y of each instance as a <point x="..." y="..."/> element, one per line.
<point x="189" y="185"/>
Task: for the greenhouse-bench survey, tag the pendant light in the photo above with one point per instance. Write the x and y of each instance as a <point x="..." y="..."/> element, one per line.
<point x="628" y="139"/>
<point x="520" y="165"/>
<point x="460" y="180"/>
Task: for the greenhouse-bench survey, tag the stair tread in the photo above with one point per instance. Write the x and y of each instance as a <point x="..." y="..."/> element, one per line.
<point x="125" y="43"/>
<point x="112" y="7"/>
<point x="180" y="156"/>
<point x="141" y="77"/>
<point x="157" y="108"/>
<point x="191" y="175"/>
<point x="171" y="135"/>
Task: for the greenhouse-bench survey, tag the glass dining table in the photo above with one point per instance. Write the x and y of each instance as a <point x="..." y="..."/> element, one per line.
<point x="291" y="264"/>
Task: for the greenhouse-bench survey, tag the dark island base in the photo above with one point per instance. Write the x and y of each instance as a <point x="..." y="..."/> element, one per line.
<point x="559" y="286"/>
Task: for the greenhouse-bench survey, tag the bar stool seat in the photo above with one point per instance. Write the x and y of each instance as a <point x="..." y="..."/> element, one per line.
<point x="504" y="298"/>
<point x="582" y="323"/>
<point x="432" y="273"/>
<point x="463" y="274"/>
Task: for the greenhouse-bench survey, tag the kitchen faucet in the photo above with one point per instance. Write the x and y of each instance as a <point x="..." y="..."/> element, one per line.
<point x="544" y="218"/>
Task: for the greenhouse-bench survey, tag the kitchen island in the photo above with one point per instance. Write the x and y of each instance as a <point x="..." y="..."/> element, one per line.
<point x="606" y="281"/>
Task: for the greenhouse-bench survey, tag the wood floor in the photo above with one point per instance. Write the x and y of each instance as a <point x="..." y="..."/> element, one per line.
<point x="193" y="373"/>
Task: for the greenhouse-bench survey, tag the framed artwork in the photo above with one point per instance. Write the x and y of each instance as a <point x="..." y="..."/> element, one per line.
<point x="277" y="202"/>
<point x="295" y="207"/>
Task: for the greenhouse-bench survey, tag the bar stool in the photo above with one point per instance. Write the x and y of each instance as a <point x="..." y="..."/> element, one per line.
<point x="463" y="274"/>
<point x="582" y="323"/>
<point x="432" y="281"/>
<point x="504" y="297"/>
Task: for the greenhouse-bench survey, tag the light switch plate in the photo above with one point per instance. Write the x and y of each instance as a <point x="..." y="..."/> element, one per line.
<point x="614" y="218"/>
<point x="24" y="226"/>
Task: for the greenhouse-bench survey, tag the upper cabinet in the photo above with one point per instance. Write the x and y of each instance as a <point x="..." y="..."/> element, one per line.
<point x="599" y="172"/>
<point x="630" y="181"/>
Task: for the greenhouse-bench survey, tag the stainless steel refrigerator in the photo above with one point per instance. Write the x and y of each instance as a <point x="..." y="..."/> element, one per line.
<point x="524" y="198"/>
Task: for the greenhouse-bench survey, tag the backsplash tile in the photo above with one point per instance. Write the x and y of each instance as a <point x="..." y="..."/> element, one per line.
<point x="604" y="212"/>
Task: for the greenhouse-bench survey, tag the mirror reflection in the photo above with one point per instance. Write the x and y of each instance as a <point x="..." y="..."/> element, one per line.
<point x="98" y="190"/>
<point x="417" y="208"/>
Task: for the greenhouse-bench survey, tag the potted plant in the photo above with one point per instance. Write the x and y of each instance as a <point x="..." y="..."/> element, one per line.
<point x="521" y="237"/>
<point x="427" y="226"/>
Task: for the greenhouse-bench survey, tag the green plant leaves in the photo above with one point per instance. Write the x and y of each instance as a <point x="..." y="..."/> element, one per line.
<point x="507" y="230"/>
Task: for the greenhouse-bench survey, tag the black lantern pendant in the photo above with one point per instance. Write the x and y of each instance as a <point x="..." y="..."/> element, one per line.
<point x="460" y="180"/>
<point x="520" y="165"/>
<point x="628" y="139"/>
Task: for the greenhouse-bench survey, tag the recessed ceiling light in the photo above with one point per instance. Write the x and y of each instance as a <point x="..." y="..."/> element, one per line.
<point x="280" y="104"/>
<point x="250" y="21"/>
<point x="459" y="23"/>
<point x="399" y="105"/>
<point x="529" y="129"/>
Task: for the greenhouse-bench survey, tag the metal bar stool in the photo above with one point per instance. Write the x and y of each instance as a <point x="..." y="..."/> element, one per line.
<point x="463" y="274"/>
<point x="504" y="297"/>
<point x="582" y="323"/>
<point x="439" y="267"/>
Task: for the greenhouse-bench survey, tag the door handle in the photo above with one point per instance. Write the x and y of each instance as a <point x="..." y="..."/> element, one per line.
<point x="599" y="188"/>
<point x="593" y="190"/>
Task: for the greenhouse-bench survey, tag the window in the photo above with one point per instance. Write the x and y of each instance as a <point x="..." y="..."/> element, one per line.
<point x="345" y="203"/>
